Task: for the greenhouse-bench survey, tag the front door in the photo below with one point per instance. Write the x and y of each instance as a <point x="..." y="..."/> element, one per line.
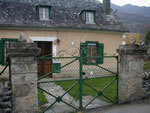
<point x="45" y="66"/>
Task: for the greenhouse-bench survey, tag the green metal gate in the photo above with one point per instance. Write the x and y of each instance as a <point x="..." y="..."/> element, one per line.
<point x="79" y="86"/>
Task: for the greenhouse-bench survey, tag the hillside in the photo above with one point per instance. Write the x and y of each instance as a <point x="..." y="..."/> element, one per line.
<point x="135" y="18"/>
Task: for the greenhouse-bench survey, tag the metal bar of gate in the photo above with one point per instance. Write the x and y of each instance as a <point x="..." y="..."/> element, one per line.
<point x="117" y="79"/>
<point x="108" y="85"/>
<point x="70" y="88"/>
<point x="4" y="69"/>
<point x="81" y="81"/>
<point x="106" y="69"/>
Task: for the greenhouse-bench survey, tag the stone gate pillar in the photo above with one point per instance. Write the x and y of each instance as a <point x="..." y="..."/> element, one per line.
<point x="131" y="69"/>
<point x="24" y="77"/>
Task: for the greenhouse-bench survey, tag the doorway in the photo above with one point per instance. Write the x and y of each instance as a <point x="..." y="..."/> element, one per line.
<point x="45" y="66"/>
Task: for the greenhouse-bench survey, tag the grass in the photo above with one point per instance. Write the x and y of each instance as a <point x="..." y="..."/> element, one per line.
<point x="41" y="98"/>
<point x="97" y="83"/>
<point x="147" y="65"/>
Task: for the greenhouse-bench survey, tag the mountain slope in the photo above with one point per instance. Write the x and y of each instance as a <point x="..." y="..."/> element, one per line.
<point x="134" y="18"/>
<point x="133" y="9"/>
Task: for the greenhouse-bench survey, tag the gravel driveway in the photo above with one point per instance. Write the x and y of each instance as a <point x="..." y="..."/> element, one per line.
<point x="137" y="107"/>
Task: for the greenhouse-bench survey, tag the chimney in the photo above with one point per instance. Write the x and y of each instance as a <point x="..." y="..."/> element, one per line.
<point x="107" y="7"/>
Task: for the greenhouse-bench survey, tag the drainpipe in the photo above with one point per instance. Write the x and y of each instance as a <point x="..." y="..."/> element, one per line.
<point x="107" y="6"/>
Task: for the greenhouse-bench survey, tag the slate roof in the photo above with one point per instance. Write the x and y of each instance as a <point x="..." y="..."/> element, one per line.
<point x="64" y="14"/>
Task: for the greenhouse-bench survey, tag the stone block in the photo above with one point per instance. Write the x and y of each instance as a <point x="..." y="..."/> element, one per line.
<point x="15" y="60"/>
<point x="27" y="111"/>
<point x="20" y="68"/>
<point x="136" y="93"/>
<point x="123" y="93"/>
<point x="135" y="67"/>
<point x="124" y="67"/>
<point x="23" y="90"/>
<point x="25" y="104"/>
<point x="24" y="78"/>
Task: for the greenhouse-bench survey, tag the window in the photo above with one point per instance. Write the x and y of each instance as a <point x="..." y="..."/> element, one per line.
<point x="90" y="17"/>
<point x="4" y="45"/>
<point x="92" y="52"/>
<point x="44" y="13"/>
<point x="46" y="48"/>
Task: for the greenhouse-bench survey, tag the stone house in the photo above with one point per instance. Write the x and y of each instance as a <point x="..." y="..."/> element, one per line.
<point x="57" y="25"/>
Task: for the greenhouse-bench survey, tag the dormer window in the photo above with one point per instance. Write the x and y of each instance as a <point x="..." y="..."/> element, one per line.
<point x="90" y="17"/>
<point x="44" y="13"/>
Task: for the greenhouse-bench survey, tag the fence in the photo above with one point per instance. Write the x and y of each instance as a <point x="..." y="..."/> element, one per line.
<point x="80" y="86"/>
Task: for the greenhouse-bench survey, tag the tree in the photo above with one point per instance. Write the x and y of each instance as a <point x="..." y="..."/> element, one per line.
<point x="147" y="38"/>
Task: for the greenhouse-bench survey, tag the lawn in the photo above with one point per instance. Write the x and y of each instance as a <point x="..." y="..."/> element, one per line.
<point x="41" y="98"/>
<point x="147" y="65"/>
<point x="97" y="83"/>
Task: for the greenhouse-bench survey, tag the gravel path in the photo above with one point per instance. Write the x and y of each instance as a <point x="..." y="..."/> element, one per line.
<point x="142" y="106"/>
<point x="130" y="108"/>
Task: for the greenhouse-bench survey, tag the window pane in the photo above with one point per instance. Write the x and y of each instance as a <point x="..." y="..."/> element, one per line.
<point x="89" y="17"/>
<point x="47" y="49"/>
<point x="44" y="13"/>
<point x="41" y="13"/>
<point x="91" y="53"/>
<point x="88" y="53"/>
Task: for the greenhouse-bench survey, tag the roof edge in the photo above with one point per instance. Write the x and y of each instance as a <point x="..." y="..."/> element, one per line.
<point x="16" y="27"/>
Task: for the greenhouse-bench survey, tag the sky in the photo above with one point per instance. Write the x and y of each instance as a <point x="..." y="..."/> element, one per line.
<point x="133" y="2"/>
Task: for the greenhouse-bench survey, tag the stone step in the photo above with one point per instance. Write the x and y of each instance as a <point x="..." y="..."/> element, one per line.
<point x="1" y="96"/>
<point x="146" y="83"/>
<point x="148" y="93"/>
<point x="146" y="75"/>
<point x="5" y="104"/>
<point x="7" y="88"/>
<point x="5" y="110"/>
<point x="6" y="98"/>
<point x="8" y="93"/>
<point x="9" y="84"/>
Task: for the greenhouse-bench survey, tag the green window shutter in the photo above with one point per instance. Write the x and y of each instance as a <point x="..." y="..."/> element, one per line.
<point x="100" y="53"/>
<point x="83" y="51"/>
<point x="37" y="12"/>
<point x="49" y="9"/>
<point x="1" y="52"/>
<point x="83" y="16"/>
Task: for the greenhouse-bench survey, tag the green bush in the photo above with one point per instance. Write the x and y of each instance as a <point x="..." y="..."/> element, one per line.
<point x="41" y="98"/>
<point x="147" y="41"/>
<point x="147" y="65"/>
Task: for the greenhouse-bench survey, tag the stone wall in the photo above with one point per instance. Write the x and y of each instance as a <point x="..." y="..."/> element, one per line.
<point x="131" y="73"/>
<point x="5" y="95"/>
<point x="24" y="77"/>
<point x="146" y="82"/>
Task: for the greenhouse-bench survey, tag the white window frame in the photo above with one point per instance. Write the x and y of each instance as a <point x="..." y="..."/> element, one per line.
<point x="90" y="17"/>
<point x="44" y="13"/>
